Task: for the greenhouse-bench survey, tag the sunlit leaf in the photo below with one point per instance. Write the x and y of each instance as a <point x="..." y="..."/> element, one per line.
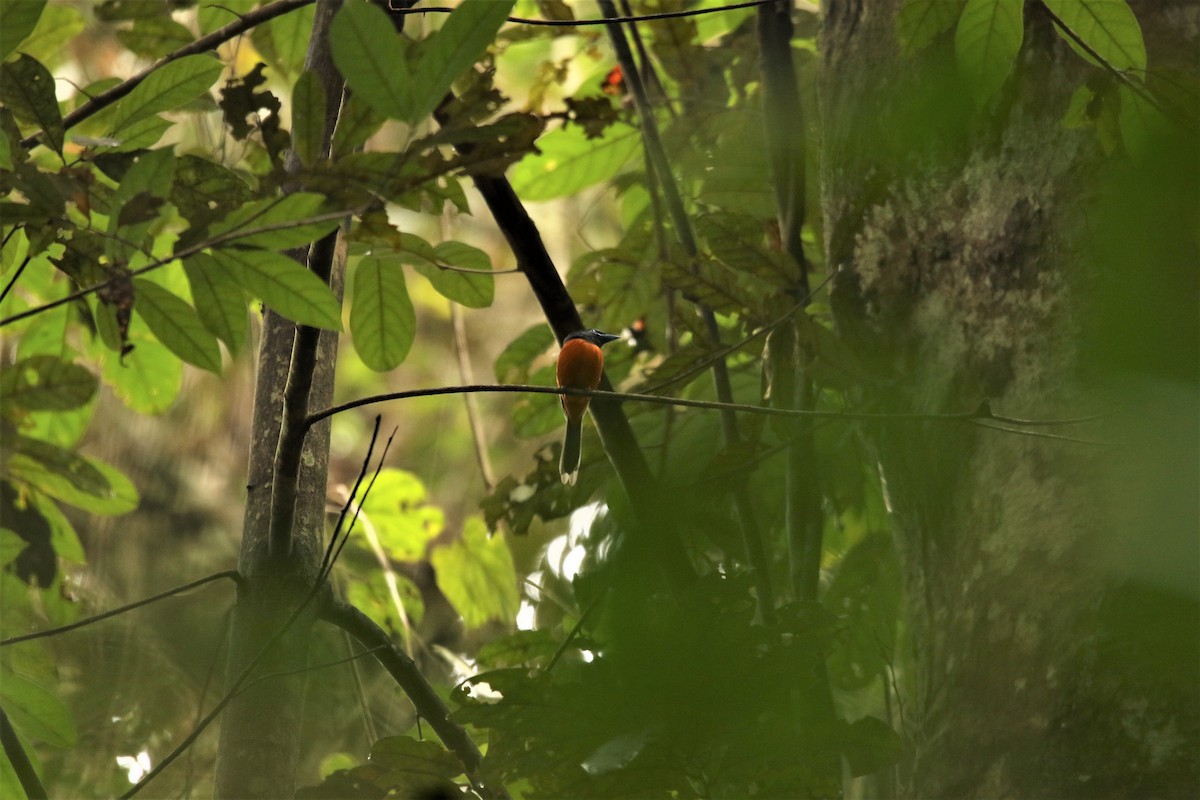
<point x="398" y="510"/>
<point x="18" y="18"/>
<point x="166" y="88"/>
<point x="471" y="289"/>
<point x="176" y="325"/>
<point x="448" y="53"/>
<point x="382" y="319"/>
<point x="569" y="161"/>
<point x="1108" y="27"/>
<point x="284" y="285"/>
<point x="108" y="491"/>
<point x="987" y="41"/>
<point x="371" y="55"/>
<point x="148" y="379"/>
<point x="58" y="24"/>
<point x="476" y="574"/>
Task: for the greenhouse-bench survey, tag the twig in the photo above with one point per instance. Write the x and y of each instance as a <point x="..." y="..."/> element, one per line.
<point x="145" y="601"/>
<point x="478" y="435"/>
<point x="572" y="23"/>
<point x="978" y="415"/>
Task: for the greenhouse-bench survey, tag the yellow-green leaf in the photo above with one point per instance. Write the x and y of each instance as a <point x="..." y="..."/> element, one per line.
<point x="382" y="320"/>
<point x="987" y="41"/>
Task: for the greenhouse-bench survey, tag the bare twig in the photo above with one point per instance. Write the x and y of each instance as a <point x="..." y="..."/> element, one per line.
<point x="19" y="760"/>
<point x="145" y="601"/>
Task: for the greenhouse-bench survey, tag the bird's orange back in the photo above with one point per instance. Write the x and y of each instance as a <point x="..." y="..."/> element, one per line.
<point x="580" y="365"/>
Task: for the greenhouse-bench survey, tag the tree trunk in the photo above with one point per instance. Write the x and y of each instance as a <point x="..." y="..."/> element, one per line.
<point x="961" y="244"/>
<point x="260" y="731"/>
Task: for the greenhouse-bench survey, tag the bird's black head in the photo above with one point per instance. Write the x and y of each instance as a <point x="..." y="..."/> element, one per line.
<point x="598" y="338"/>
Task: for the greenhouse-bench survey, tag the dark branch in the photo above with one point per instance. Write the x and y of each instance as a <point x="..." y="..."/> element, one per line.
<point x="426" y="701"/>
<point x="19" y="760"/>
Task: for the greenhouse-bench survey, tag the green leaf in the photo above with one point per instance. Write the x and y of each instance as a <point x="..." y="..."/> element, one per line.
<point x="476" y="574"/>
<point x="398" y="511"/>
<point x="308" y="118"/>
<point x="569" y="161"/>
<point x="513" y="365"/>
<point x="137" y="201"/>
<point x="289" y="38"/>
<point x="47" y="383"/>
<point x="176" y="325"/>
<point x="155" y="37"/>
<point x="284" y="285"/>
<point x="168" y="87"/>
<point x="371" y="56"/>
<point x="147" y="380"/>
<point x="11" y="546"/>
<point x="27" y="90"/>
<point x="18" y="18"/>
<point x="357" y="123"/>
<point x="117" y="497"/>
<point x="58" y="25"/>
<point x="471" y="290"/>
<point x="36" y="711"/>
<point x="448" y="53"/>
<point x="919" y="22"/>
<point x="278" y="223"/>
<point x="382" y="320"/>
<point x="62" y="464"/>
<point x="1106" y="26"/>
<point x="219" y="300"/>
<point x="987" y="41"/>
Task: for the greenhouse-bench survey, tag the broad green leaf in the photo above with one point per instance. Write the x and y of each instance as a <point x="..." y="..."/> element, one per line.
<point x="36" y="711"/>
<point x="18" y="18"/>
<point x="398" y="509"/>
<point x="308" y="118"/>
<point x="118" y="495"/>
<point x="570" y="161"/>
<point x="284" y="285"/>
<point x="919" y="22"/>
<point x="371" y="56"/>
<point x="277" y="223"/>
<point x="476" y="574"/>
<point x="357" y="122"/>
<point x="219" y="300"/>
<point x="513" y="365"/>
<point x="382" y="320"/>
<point x="155" y="37"/>
<point x="148" y="379"/>
<point x="11" y="546"/>
<point x="448" y="53"/>
<point x="422" y="760"/>
<point x="62" y="464"/>
<point x="539" y="414"/>
<point x="27" y="90"/>
<point x="47" y="383"/>
<point x="986" y="43"/>
<point x="289" y="38"/>
<point x="471" y="289"/>
<point x="176" y="325"/>
<point x="1108" y="27"/>
<point x="63" y="537"/>
<point x="166" y="88"/>
<point x="137" y="201"/>
<point x="58" y="25"/>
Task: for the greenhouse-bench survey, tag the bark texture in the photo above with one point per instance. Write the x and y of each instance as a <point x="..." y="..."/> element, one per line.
<point x="956" y="235"/>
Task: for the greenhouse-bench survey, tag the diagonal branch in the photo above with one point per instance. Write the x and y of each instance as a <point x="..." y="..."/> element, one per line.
<point x="422" y="694"/>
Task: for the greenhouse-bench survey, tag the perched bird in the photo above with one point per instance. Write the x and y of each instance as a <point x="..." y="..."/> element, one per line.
<point x="580" y="365"/>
